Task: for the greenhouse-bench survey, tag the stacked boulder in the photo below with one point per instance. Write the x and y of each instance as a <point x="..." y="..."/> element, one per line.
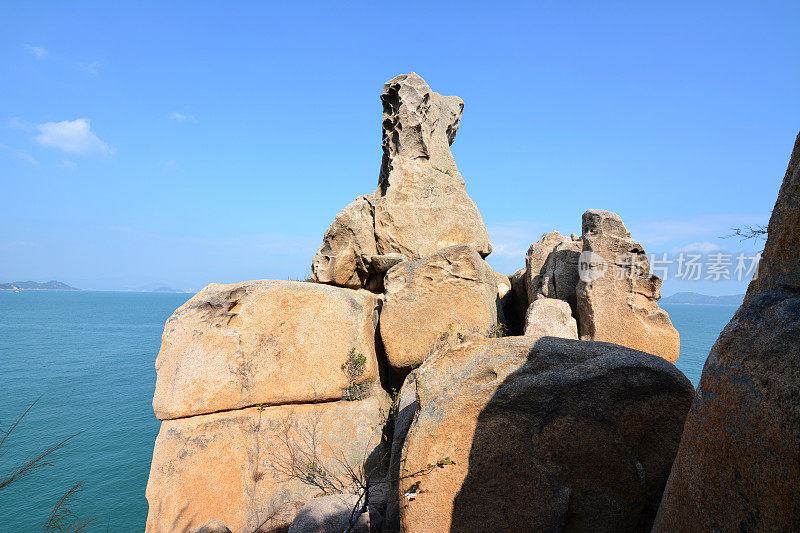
<point x="273" y="392"/>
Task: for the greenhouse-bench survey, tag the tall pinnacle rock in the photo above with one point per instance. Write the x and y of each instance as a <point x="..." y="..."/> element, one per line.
<point x="421" y="205"/>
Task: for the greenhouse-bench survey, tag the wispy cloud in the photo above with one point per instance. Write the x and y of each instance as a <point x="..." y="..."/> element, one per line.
<point x="39" y="52"/>
<point x="75" y="137"/>
<point x="91" y="68"/>
<point x="697" y="247"/>
<point x="170" y="164"/>
<point x="693" y="229"/>
<point x="18" y="123"/>
<point x="68" y="164"/>
<point x="180" y="117"/>
<point x="22" y="154"/>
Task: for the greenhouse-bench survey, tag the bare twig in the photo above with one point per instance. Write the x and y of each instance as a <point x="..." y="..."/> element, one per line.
<point x="744" y="233"/>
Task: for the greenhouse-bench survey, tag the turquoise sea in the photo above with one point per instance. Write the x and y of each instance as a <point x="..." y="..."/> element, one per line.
<point x="90" y="357"/>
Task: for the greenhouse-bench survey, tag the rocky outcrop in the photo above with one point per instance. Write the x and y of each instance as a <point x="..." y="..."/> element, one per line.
<point x="212" y="526"/>
<point x="421" y="205"/>
<point x="407" y="406"/>
<point x="450" y="293"/>
<point x="550" y="317"/>
<point x="738" y="466"/>
<point x="516" y="307"/>
<point x="232" y="466"/>
<point x="262" y="342"/>
<point x="330" y="514"/>
<point x="503" y="288"/>
<point x="551" y="268"/>
<point x="542" y="435"/>
<point x="617" y="294"/>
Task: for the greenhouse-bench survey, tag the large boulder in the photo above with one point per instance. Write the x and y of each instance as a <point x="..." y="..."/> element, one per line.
<point x="540" y="435"/>
<point x="551" y="268"/>
<point x="234" y="466"/>
<point x="738" y="466"/>
<point x="451" y="294"/>
<point x="330" y="514"/>
<point x="421" y="205"/>
<point x="262" y="342"/>
<point x="617" y="294"/>
<point x="550" y="317"/>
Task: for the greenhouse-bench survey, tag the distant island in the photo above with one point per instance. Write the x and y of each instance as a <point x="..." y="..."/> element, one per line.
<point x="695" y="298"/>
<point x="168" y="289"/>
<point x="51" y="285"/>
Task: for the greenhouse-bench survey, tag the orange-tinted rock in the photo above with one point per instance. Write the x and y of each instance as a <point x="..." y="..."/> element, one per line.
<point x="545" y="435"/>
<point x="221" y="466"/>
<point x="452" y="292"/>
<point x="738" y="466"/>
<point x="262" y="342"/>
<point x="617" y="294"/>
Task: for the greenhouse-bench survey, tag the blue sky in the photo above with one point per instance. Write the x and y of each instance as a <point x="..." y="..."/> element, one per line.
<point x="185" y="143"/>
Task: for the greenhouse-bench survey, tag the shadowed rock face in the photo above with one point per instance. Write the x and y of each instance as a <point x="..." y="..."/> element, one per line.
<point x="551" y="268"/>
<point x="738" y="466"/>
<point x="262" y="342"/>
<point x="421" y="205"/>
<point x="617" y="295"/>
<point x="545" y="435"/>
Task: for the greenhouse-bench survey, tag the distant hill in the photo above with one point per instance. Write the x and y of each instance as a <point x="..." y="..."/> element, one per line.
<point x="695" y="298"/>
<point x="51" y="285"/>
<point x="167" y="289"/>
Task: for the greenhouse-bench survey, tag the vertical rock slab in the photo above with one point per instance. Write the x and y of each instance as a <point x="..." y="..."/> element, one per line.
<point x="451" y="293"/>
<point x="551" y="268"/>
<point x="262" y="342"/>
<point x="617" y="295"/>
<point x="738" y="465"/>
<point x="231" y="466"/>
<point x="523" y="434"/>
<point x="421" y="204"/>
<point x="516" y="307"/>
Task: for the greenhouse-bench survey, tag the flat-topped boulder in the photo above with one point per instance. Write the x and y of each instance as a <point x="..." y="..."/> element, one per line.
<point x="617" y="295"/>
<point x="421" y="204"/>
<point x="451" y="293"/>
<point x="232" y="466"/>
<point x="262" y="342"/>
<point x="738" y="466"/>
<point x="542" y="434"/>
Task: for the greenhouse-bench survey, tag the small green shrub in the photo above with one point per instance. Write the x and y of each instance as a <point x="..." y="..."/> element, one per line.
<point x="353" y="368"/>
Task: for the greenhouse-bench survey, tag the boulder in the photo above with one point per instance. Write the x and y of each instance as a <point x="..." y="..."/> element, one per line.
<point x="738" y="465"/>
<point x="617" y="295"/>
<point x="232" y="466"/>
<point x="421" y="205"/>
<point x="330" y="514"/>
<point x="212" y="526"/>
<point x="551" y="268"/>
<point x="550" y="317"/>
<point x="262" y="342"/>
<point x="451" y="294"/>
<point x="348" y="247"/>
<point x="542" y="435"/>
<point x="503" y="288"/>
<point x="516" y="307"/>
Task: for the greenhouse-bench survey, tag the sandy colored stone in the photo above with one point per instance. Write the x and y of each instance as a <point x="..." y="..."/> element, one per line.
<point x="503" y="288"/>
<point x="551" y="267"/>
<point x="262" y="342"/>
<point x="738" y="466"/>
<point x="450" y="293"/>
<point x="550" y="317"/>
<point x="220" y="465"/>
<point x="545" y="435"/>
<point x="617" y="294"/>
<point x="348" y="246"/>
<point x="212" y="526"/>
<point x="516" y="307"/>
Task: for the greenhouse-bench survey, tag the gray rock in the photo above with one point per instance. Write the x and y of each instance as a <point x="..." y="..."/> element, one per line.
<point x="329" y="514"/>
<point x="212" y="526"/>
<point x="550" y="317"/>
<point x="551" y="268"/>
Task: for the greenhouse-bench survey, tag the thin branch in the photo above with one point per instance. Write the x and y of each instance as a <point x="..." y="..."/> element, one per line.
<point x="744" y="233"/>
<point x="36" y="463"/>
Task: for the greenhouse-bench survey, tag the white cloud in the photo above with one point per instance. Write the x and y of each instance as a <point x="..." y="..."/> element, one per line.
<point x="697" y="247"/>
<point x="180" y="117"/>
<point x="39" y="52"/>
<point x="17" y="123"/>
<point x="22" y="154"/>
<point x="68" y="164"/>
<point x="75" y="137"/>
<point x="659" y="232"/>
<point x="91" y="68"/>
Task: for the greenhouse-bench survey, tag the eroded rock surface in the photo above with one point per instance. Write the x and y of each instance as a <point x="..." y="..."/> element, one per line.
<point x="231" y="466"/>
<point x="551" y="268"/>
<point x="451" y="292"/>
<point x="550" y="317"/>
<point x="738" y="466"/>
<point x="330" y="514"/>
<point x="262" y="342"/>
<point x="421" y="205"/>
<point x="543" y="435"/>
<point x="617" y="295"/>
